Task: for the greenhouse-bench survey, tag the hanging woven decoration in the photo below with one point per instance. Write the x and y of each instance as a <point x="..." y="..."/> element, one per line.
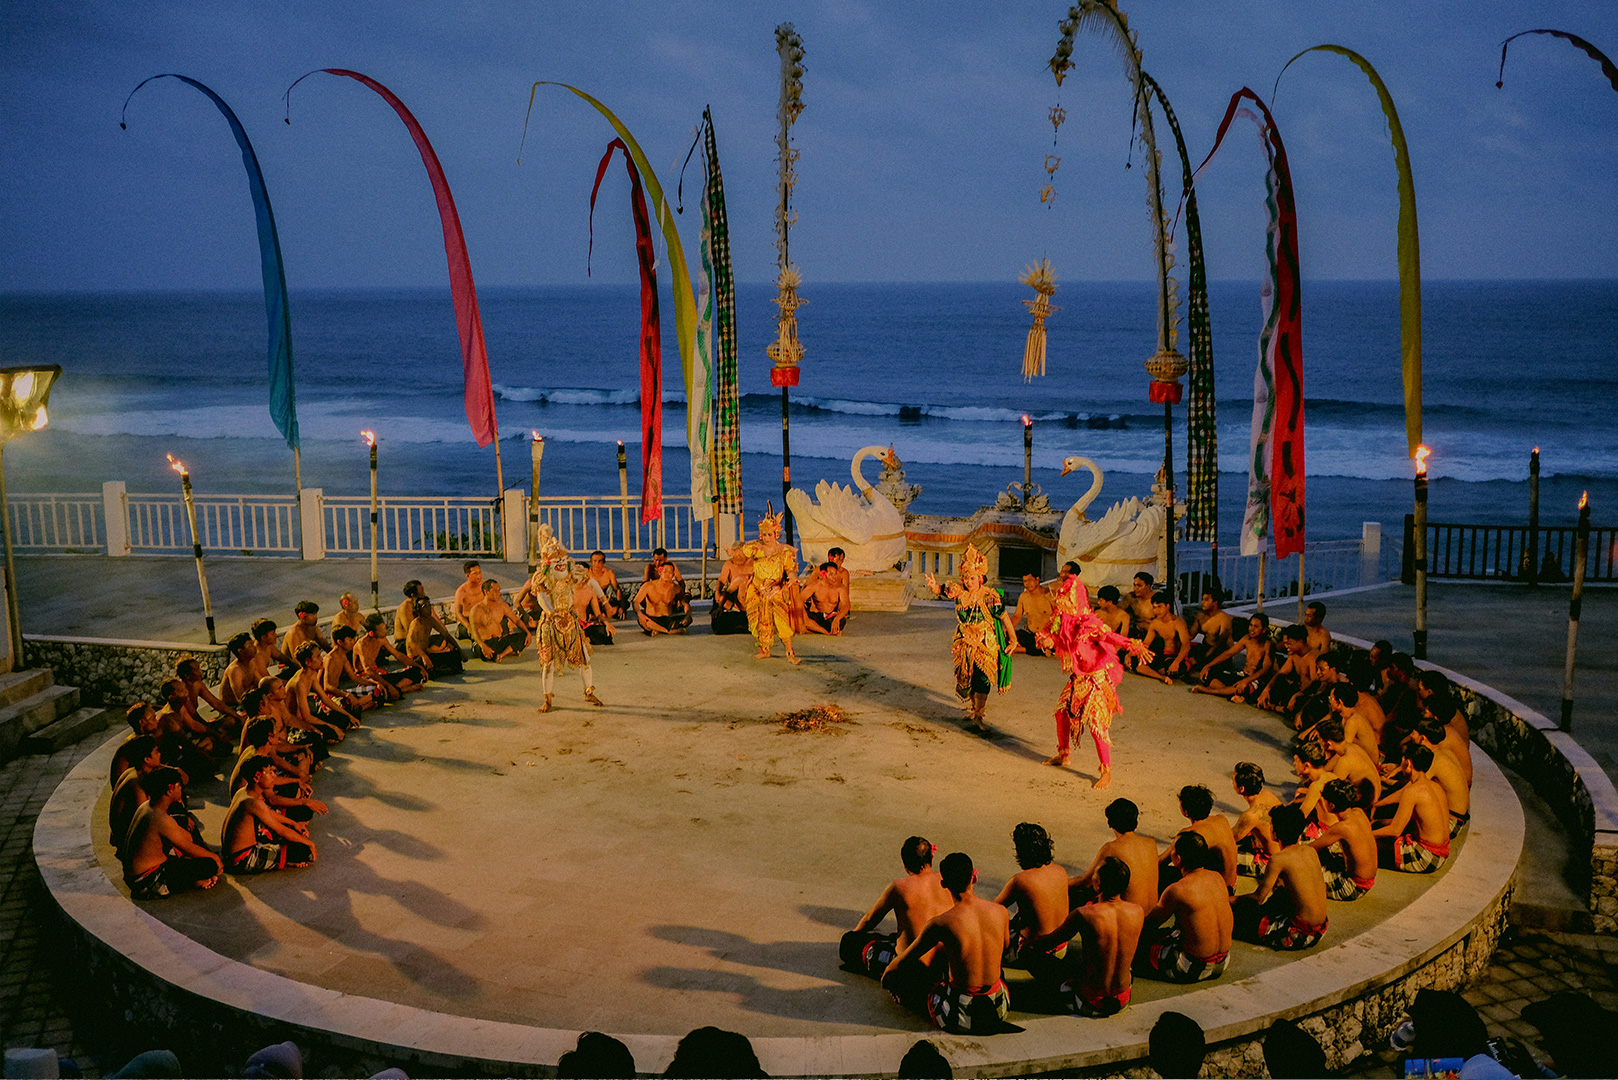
<point x="1042" y="279"/>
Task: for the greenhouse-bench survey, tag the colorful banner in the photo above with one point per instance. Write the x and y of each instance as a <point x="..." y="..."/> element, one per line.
<point x="474" y="353"/>
<point x="1275" y="487"/>
<point x="283" y="404"/>
<point x="698" y="378"/>
<point x="1202" y="436"/>
<point x="651" y="336"/>
<point x="1409" y="252"/>
<point x="718" y="313"/>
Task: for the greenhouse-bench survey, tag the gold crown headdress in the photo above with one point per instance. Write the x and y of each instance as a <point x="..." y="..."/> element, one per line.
<point x="973" y="562"/>
<point x="550" y="548"/>
<point x="770" y="518"/>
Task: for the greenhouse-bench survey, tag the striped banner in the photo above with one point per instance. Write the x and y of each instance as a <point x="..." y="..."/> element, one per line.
<point x="717" y="330"/>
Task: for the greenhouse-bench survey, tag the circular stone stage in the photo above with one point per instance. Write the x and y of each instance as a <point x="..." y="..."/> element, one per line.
<point x="492" y="880"/>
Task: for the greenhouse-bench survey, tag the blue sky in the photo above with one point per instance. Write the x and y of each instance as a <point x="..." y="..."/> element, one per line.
<point x="922" y="140"/>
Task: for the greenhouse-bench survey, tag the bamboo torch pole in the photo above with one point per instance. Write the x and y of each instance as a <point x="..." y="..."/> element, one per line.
<point x="376" y="598"/>
<point x="623" y="495"/>
<point x="1531" y="571"/>
<point x="1581" y="552"/>
<point x="537" y="446"/>
<point x="1420" y="650"/>
<point x="196" y="544"/>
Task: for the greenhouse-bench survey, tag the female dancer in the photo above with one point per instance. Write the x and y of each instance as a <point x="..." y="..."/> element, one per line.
<point x="1089" y="653"/>
<point x="767" y="593"/>
<point x="984" y="636"/>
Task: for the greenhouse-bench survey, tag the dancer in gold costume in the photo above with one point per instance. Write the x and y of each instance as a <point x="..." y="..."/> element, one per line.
<point x="984" y="636"/>
<point x="767" y="593"/>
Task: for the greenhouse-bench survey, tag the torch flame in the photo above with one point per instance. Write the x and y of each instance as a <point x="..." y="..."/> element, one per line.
<point x="620" y="444"/>
<point x="1584" y="500"/>
<point x="1536" y="449"/>
<point x="40" y="419"/>
<point x="1423" y="451"/>
<point x="369" y="437"/>
<point x="177" y="466"/>
<point x="1027" y="421"/>
<point x="537" y="436"/>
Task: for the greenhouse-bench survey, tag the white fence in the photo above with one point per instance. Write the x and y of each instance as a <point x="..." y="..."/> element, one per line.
<point x="1327" y="565"/>
<point x="119" y="523"/>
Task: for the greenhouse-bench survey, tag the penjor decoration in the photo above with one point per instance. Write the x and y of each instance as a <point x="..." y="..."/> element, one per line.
<point x="651" y="337"/>
<point x="468" y="321"/>
<point x="283" y="405"/>
<point x="1042" y="279"/>
<point x="786" y="351"/>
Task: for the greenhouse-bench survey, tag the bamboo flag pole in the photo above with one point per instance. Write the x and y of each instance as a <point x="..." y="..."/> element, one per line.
<point x="1581" y="552"/>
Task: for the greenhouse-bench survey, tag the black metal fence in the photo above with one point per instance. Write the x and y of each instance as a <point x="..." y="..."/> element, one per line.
<point x="1509" y="552"/>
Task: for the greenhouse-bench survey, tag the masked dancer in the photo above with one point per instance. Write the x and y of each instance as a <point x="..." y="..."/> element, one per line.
<point x="769" y="590"/>
<point x="1088" y="652"/>
<point x="559" y="634"/>
<point x="984" y="636"/>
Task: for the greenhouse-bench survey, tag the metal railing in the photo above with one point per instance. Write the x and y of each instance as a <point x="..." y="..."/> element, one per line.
<point x="240" y="524"/>
<point x="607" y="524"/>
<point x="1510" y="552"/>
<point x="62" y="523"/>
<point x="447" y="526"/>
<point x="1327" y="565"/>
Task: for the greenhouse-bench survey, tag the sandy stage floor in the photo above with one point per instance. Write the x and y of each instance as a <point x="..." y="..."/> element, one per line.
<point x="677" y="858"/>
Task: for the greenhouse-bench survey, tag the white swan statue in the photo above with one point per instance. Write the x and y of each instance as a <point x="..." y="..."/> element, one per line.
<point x="860" y="520"/>
<point x="1114" y="549"/>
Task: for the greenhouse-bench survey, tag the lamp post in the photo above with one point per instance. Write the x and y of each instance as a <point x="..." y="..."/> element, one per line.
<point x="24" y="392"/>
<point x="370" y="440"/>
<point x="196" y="543"/>
<point x="1420" y="559"/>
<point x="1581" y="552"/>
<point x="537" y="448"/>
<point x="623" y="495"/>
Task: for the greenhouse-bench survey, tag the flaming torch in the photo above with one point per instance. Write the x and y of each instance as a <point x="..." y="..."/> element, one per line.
<point x="1027" y="458"/>
<point x="1420" y="556"/>
<point x="623" y="494"/>
<point x="196" y="544"/>
<point x="537" y="448"/>
<point x="1581" y="552"/>
<point x="370" y="440"/>
<point x="1531" y="571"/>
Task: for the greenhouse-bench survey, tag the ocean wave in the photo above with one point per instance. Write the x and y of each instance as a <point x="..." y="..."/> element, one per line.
<point x="579" y="395"/>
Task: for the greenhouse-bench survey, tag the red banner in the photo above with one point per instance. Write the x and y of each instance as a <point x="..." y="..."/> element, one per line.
<point x="474" y="354"/>
<point x="651" y="341"/>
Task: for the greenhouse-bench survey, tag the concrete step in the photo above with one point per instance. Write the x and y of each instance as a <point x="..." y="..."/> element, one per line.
<point x="22" y="718"/>
<point x="1552" y="885"/>
<point x="69" y="730"/>
<point x="16" y="685"/>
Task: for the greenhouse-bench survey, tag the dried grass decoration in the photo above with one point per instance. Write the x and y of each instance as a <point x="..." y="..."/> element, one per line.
<point x="1042" y="279"/>
<point x="813" y="719"/>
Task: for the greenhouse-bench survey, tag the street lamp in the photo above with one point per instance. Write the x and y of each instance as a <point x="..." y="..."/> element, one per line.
<point x="24" y="392"/>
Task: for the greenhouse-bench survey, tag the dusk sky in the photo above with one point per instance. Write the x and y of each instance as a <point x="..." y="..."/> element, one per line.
<point x="922" y="140"/>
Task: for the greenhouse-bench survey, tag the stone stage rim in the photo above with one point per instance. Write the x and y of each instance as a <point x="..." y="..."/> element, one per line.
<point x="682" y="754"/>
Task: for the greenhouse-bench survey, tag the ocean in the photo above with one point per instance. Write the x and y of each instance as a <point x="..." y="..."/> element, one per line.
<point x="933" y="369"/>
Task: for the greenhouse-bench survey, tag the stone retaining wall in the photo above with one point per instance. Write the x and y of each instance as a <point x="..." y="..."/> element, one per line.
<point x="114" y="673"/>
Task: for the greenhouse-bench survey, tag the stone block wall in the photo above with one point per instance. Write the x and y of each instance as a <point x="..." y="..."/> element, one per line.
<point x="114" y="673"/>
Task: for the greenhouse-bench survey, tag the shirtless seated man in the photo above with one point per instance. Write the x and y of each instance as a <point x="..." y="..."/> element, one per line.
<point x="160" y="857"/>
<point x="914" y="899"/>
<point x="1113" y="614"/>
<point x="257" y="837"/>
<point x="307" y="628"/>
<point x="1294" y="675"/>
<point x="1100" y="980"/>
<point x="1288" y="912"/>
<point x="291" y="794"/>
<point x="1038" y="892"/>
<point x="468" y="595"/>
<point x="1446" y="773"/>
<point x="189" y="671"/>
<point x="839" y="579"/>
<point x="312" y="703"/>
<point x="267" y="652"/>
<point x="142" y="720"/>
<point x="727" y="594"/>
<point x="654" y="569"/>
<point x="436" y="654"/>
<point x="661" y="606"/>
<point x="496" y="630"/>
<point x="1198" y="946"/>
<point x="1032" y="615"/>
<point x="823" y="603"/>
<point x="370" y="691"/>
<point x="348" y="613"/>
<point x="972" y="998"/>
<point x="616" y="604"/>
<point x="1252" y="828"/>
<point x="1349" y="761"/>
<point x="1222" y="676"/>
<point x="1168" y="641"/>
<point x="1196" y="803"/>
<point x="1214" y="626"/>
<point x="128" y="796"/>
<point x="368" y="650"/>
<point x="239" y="677"/>
<point x="1347" y="848"/>
<point x="1416" y="841"/>
<point x="1138" y="854"/>
<point x="590" y="608"/>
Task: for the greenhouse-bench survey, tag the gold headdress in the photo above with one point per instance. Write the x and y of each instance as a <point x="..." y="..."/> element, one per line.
<point x="770" y="519"/>
<point x="973" y="562"/>
<point x="550" y="548"/>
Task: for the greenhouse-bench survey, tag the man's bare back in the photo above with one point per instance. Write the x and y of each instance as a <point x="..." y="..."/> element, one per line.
<point x="1137" y="852"/>
<point x="1200" y="905"/>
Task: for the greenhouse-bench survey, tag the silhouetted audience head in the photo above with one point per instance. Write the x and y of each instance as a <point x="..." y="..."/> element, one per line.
<point x="1176" y="1046"/>
<point x="596" y="1055"/>
<point x="710" y="1052"/>
<point x="1291" y="1052"/>
<point x="924" y="1061"/>
<point x="1580" y="1036"/>
<point x="1446" y="1026"/>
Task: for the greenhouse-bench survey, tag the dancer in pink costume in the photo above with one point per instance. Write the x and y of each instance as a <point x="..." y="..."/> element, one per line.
<point x="1089" y="654"/>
